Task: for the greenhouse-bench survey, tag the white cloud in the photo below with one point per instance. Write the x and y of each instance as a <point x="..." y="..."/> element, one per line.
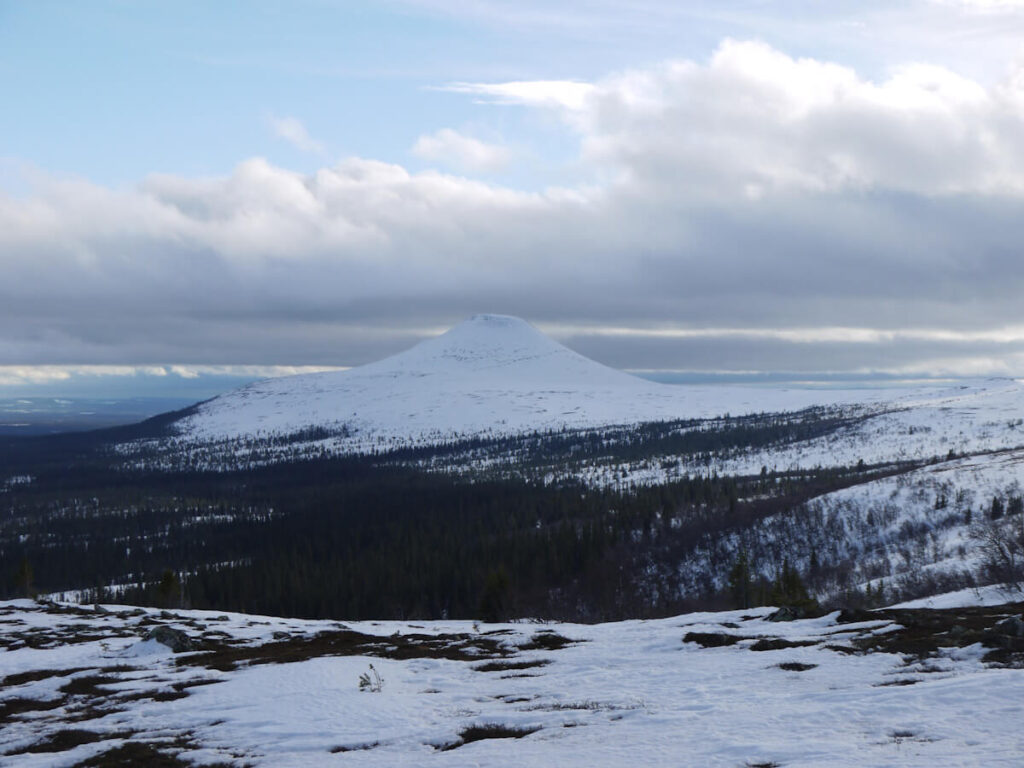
<point x="21" y="375"/>
<point x="984" y="5"/>
<point x="751" y="191"/>
<point x="754" y="120"/>
<point x="254" y="371"/>
<point x="450" y="147"/>
<point x="15" y="375"/>
<point x="809" y="335"/>
<point x="294" y="132"/>
<point x="567" y="94"/>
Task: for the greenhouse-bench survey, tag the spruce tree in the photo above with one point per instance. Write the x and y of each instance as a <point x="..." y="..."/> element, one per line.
<point x="997" y="508"/>
<point x="169" y="590"/>
<point x="789" y="590"/>
<point x="494" y="602"/>
<point x="23" y="578"/>
<point x="739" y="581"/>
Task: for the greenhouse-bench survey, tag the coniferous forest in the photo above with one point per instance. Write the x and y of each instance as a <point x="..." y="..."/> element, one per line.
<point x="373" y="537"/>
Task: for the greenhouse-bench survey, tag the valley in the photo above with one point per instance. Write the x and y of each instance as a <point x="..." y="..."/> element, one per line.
<point x="492" y="455"/>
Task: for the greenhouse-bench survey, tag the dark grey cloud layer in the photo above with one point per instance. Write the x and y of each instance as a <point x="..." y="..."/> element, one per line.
<point x="756" y="194"/>
<point x="912" y="357"/>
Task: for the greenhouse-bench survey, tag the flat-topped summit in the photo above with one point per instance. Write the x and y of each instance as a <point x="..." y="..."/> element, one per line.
<point x="498" y="350"/>
<point x="485" y="338"/>
<point x="492" y="331"/>
<point x="489" y="320"/>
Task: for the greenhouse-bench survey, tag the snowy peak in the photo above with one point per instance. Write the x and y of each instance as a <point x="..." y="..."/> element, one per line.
<point x="487" y="335"/>
<point x="482" y="342"/>
<point x="489" y="352"/>
<point x="492" y="323"/>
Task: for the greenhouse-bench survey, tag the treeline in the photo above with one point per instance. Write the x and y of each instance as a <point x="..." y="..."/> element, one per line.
<point x="700" y="440"/>
<point x="689" y="437"/>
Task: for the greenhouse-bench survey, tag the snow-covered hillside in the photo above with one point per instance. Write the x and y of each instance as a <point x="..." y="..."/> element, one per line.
<point x="490" y="375"/>
<point x="710" y="689"/>
<point x="917" y="425"/>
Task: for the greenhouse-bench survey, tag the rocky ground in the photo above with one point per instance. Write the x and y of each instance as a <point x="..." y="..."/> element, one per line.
<point x="115" y="686"/>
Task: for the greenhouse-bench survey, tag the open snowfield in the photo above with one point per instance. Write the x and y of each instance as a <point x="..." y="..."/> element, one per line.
<point x="274" y="692"/>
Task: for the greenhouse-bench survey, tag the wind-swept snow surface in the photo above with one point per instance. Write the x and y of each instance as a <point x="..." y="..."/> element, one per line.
<point x="712" y="689"/>
<point x="490" y="375"/>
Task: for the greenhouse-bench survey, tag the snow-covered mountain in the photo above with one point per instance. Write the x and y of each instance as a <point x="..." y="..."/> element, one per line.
<point x="489" y="375"/>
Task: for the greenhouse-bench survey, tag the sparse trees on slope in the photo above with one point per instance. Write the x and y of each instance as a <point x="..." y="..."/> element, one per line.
<point x="1001" y="542"/>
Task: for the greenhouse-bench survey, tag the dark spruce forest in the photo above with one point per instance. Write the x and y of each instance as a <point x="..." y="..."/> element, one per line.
<point x="380" y="536"/>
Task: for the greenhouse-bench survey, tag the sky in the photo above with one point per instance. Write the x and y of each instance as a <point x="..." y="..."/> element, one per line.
<point x="196" y="190"/>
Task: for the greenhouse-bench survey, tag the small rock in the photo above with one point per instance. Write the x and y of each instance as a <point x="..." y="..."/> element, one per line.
<point x="1013" y="626"/>
<point x="778" y="643"/>
<point x="855" y="616"/>
<point x="711" y="639"/>
<point x="173" y="638"/>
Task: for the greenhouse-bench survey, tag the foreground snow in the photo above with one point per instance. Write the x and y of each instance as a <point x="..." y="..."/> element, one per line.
<point x="628" y="693"/>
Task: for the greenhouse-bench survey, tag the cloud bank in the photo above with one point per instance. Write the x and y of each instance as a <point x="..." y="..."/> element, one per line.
<point x="752" y="191"/>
